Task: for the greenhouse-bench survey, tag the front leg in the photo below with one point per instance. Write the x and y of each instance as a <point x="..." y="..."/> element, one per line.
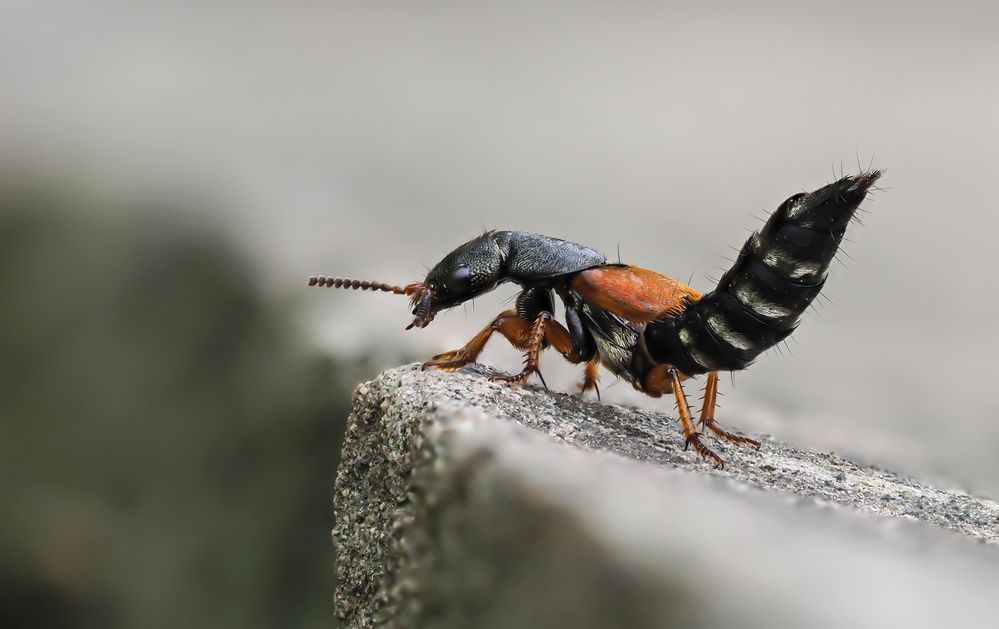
<point x="508" y="323"/>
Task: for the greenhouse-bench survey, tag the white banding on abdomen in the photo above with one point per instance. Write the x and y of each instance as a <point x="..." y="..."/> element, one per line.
<point x="782" y="262"/>
<point x="724" y="331"/>
<point x="758" y="304"/>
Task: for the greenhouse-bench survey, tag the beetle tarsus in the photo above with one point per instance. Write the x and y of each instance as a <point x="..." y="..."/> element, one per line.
<point x="441" y="365"/>
<point x="517" y="378"/>
<point x="694" y="439"/>
<point x="449" y="361"/>
<point x="727" y="435"/>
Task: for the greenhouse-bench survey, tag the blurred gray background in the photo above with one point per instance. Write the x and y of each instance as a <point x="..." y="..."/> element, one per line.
<point x="368" y="139"/>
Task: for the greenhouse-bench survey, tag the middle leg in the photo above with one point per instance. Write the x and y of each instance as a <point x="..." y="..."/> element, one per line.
<point x="532" y="360"/>
<point x="592" y="376"/>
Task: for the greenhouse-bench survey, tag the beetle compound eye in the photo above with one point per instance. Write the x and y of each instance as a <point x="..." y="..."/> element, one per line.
<point x="460" y="280"/>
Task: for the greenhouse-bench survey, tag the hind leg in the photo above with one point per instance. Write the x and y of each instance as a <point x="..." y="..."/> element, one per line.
<point x="708" y="414"/>
<point x="690" y="435"/>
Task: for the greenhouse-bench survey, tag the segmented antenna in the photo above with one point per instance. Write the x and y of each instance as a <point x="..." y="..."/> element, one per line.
<point x="342" y="282"/>
<point x="420" y="296"/>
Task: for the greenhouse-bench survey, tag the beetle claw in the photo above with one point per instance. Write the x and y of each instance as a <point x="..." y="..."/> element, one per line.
<point x="516" y="378"/>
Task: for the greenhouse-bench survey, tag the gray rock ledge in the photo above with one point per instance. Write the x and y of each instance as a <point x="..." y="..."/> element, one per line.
<point x="464" y="503"/>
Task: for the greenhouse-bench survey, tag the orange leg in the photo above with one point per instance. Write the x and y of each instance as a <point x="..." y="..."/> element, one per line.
<point x="591" y="376"/>
<point x="657" y="381"/>
<point x="532" y="360"/>
<point x="690" y="434"/>
<point x="508" y="323"/>
<point x="708" y="414"/>
<point x="520" y="332"/>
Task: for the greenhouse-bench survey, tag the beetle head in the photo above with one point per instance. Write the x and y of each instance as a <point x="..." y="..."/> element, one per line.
<point x="470" y="270"/>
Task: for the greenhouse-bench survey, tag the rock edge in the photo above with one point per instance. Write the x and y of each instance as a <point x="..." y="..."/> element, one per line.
<point x="458" y="502"/>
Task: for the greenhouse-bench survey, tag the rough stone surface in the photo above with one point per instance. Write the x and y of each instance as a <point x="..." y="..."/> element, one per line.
<point x="461" y="502"/>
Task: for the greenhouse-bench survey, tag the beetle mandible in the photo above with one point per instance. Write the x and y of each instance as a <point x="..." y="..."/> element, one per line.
<point x="650" y="329"/>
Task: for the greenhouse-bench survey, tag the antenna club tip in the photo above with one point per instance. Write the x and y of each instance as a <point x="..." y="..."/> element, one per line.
<point x="313" y="280"/>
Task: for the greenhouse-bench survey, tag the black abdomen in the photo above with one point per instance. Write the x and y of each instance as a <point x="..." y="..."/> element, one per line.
<point x="779" y="271"/>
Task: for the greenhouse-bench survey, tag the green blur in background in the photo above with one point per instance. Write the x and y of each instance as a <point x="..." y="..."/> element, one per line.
<point x="168" y="445"/>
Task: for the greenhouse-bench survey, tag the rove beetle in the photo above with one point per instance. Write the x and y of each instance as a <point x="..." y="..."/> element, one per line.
<point x="651" y="330"/>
